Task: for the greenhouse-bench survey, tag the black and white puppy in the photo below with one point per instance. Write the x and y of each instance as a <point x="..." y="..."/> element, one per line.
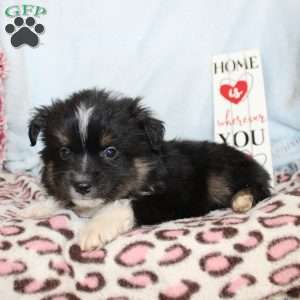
<point x="106" y="155"/>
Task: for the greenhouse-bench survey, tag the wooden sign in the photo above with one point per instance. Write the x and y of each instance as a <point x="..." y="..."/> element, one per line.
<point x="240" y="105"/>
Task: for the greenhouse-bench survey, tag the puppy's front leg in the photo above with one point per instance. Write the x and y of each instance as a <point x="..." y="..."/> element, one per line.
<point x="112" y="220"/>
<point x="41" y="208"/>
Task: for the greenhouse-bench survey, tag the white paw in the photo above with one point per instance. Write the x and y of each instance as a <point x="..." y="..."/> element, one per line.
<point x="39" y="209"/>
<point x="111" y="221"/>
<point x="96" y="234"/>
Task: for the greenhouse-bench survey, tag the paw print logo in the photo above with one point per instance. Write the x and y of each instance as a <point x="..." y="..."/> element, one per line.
<point x="24" y="33"/>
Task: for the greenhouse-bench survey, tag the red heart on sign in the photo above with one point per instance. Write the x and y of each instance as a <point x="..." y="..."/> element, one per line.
<point x="234" y="93"/>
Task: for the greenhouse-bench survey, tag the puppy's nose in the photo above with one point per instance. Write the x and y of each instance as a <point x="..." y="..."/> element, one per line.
<point x="82" y="187"/>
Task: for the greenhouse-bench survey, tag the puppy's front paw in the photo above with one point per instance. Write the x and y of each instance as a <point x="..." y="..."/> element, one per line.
<point x="28" y="213"/>
<point x="96" y="234"/>
<point x="90" y="237"/>
<point x="111" y="221"/>
<point x="40" y="209"/>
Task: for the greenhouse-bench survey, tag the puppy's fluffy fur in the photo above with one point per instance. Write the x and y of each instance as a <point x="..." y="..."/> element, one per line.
<point x="106" y="155"/>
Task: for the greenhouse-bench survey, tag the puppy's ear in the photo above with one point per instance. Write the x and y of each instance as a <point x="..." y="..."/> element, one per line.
<point x="153" y="127"/>
<point x="155" y="131"/>
<point x="37" y="124"/>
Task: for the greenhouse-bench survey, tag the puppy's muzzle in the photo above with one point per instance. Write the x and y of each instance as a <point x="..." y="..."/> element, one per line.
<point x="82" y="187"/>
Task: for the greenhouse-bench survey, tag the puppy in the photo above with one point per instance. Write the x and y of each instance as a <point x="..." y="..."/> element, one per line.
<point x="106" y="157"/>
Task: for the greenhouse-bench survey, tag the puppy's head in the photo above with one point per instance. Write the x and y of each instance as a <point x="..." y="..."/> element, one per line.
<point x="96" y="148"/>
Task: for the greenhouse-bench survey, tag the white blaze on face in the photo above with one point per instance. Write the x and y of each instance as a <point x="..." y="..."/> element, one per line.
<point x="83" y="114"/>
<point x="84" y="163"/>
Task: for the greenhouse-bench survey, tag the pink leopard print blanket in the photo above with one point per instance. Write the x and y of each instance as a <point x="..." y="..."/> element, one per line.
<point x="3" y="71"/>
<point x="220" y="256"/>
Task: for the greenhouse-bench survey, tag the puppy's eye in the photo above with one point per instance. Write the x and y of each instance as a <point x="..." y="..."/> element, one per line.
<point x="64" y="153"/>
<point x="110" y="152"/>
